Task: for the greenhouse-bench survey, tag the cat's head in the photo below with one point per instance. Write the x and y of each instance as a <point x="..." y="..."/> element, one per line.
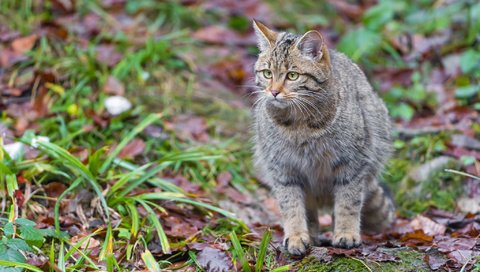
<point x="290" y="68"/>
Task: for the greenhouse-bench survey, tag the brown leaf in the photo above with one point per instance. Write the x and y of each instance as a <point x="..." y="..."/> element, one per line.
<point x="350" y="10"/>
<point x="427" y="225"/>
<point x="462" y="256"/>
<point x="217" y="34"/>
<point x="378" y="256"/>
<point x="186" y="185"/>
<point x="133" y="148"/>
<point x="321" y="254"/>
<point x="19" y="197"/>
<point x="223" y="179"/>
<point x="54" y="189"/>
<point x="89" y="243"/>
<point x="108" y="55"/>
<point x="114" y="86"/>
<point x="448" y="244"/>
<point x="417" y="235"/>
<point x="8" y="58"/>
<point x="435" y="261"/>
<point x="6" y="34"/>
<point x="215" y="260"/>
<point x="176" y="227"/>
<point x="343" y="251"/>
<point x="189" y="127"/>
<point x="24" y="44"/>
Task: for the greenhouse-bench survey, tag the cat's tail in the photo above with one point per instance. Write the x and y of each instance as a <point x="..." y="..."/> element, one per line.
<point x="378" y="212"/>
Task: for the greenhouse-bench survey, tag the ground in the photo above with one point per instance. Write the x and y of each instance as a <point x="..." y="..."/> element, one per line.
<point x="125" y="137"/>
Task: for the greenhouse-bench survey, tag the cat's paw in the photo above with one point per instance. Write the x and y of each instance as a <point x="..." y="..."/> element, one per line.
<point x="297" y="244"/>
<point x="347" y="240"/>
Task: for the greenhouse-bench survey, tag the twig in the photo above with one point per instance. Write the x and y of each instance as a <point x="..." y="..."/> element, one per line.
<point x="462" y="173"/>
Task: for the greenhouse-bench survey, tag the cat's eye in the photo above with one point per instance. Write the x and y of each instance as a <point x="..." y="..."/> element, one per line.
<point x="292" y="75"/>
<point x="267" y="74"/>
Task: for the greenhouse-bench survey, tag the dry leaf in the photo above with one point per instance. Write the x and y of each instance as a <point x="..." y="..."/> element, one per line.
<point x="24" y="44"/>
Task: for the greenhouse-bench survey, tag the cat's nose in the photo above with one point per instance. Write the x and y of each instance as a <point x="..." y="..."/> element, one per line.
<point x="274" y="93"/>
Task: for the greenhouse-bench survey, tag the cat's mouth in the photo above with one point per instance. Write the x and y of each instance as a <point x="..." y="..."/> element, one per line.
<point x="278" y="102"/>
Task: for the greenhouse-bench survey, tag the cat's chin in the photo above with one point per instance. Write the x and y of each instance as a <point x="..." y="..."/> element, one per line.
<point x="277" y="103"/>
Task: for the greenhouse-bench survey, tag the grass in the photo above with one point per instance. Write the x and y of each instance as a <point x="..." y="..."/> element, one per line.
<point x="132" y="196"/>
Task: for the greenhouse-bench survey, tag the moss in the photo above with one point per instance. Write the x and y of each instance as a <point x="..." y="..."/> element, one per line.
<point x="410" y="260"/>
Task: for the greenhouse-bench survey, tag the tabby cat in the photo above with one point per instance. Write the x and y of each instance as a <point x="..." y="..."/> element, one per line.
<point x="322" y="137"/>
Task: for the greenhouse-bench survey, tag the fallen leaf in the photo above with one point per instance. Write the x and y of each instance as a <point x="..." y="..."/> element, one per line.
<point x="217" y="34"/>
<point x="462" y="256"/>
<point x="461" y="140"/>
<point x="469" y="204"/>
<point x="189" y="127"/>
<point x="435" y="261"/>
<point x="343" y="251"/>
<point x="8" y="58"/>
<point x="24" y="44"/>
<point x="108" y="55"/>
<point x="321" y="254"/>
<point x="417" y="235"/>
<point x="89" y="243"/>
<point x="427" y="225"/>
<point x="176" y="227"/>
<point x="19" y="197"/>
<point x="378" y="256"/>
<point x="133" y="148"/>
<point x="215" y="260"/>
<point x="223" y="179"/>
<point x="54" y="189"/>
<point x="114" y="86"/>
<point x="448" y="244"/>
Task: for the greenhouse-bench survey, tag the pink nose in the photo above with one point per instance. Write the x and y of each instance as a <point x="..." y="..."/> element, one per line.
<point x="274" y="93"/>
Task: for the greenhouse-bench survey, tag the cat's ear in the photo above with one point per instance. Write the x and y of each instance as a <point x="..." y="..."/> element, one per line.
<point x="312" y="45"/>
<point x="265" y="36"/>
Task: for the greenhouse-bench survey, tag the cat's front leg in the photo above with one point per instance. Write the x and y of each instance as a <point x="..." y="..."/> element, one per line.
<point x="347" y="214"/>
<point x="291" y="199"/>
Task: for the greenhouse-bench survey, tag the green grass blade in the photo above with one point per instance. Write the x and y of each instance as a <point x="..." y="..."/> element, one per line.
<point x="158" y="226"/>
<point x="263" y="250"/>
<point x="150" y="261"/>
<point x="237" y="247"/>
<point x="135" y="219"/>
<point x="157" y="182"/>
<point x="76" y="248"/>
<point x="111" y="262"/>
<point x="126" y="178"/>
<point x="193" y="258"/>
<point x="139" y="128"/>
<point x="19" y="265"/>
<point x="107" y="247"/>
<point x="144" y="178"/>
<point x="282" y="268"/>
<point x="182" y="199"/>
<point x="75" y="165"/>
<point x="61" y="257"/>
<point x="57" y="204"/>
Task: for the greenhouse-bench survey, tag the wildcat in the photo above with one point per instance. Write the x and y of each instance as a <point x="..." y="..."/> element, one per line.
<point x="321" y="137"/>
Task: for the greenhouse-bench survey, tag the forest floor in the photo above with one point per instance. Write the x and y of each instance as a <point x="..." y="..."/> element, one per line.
<point x="125" y="140"/>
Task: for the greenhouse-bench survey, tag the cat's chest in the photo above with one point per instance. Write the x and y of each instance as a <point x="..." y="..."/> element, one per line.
<point x="313" y="157"/>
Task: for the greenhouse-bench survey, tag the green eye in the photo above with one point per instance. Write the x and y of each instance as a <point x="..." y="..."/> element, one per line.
<point x="292" y="75"/>
<point x="267" y="74"/>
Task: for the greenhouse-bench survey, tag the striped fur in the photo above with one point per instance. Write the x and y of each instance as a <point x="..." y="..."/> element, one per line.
<point x="322" y="140"/>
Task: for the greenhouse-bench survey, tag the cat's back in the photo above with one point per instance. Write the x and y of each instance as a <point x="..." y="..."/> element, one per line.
<point x="363" y="112"/>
